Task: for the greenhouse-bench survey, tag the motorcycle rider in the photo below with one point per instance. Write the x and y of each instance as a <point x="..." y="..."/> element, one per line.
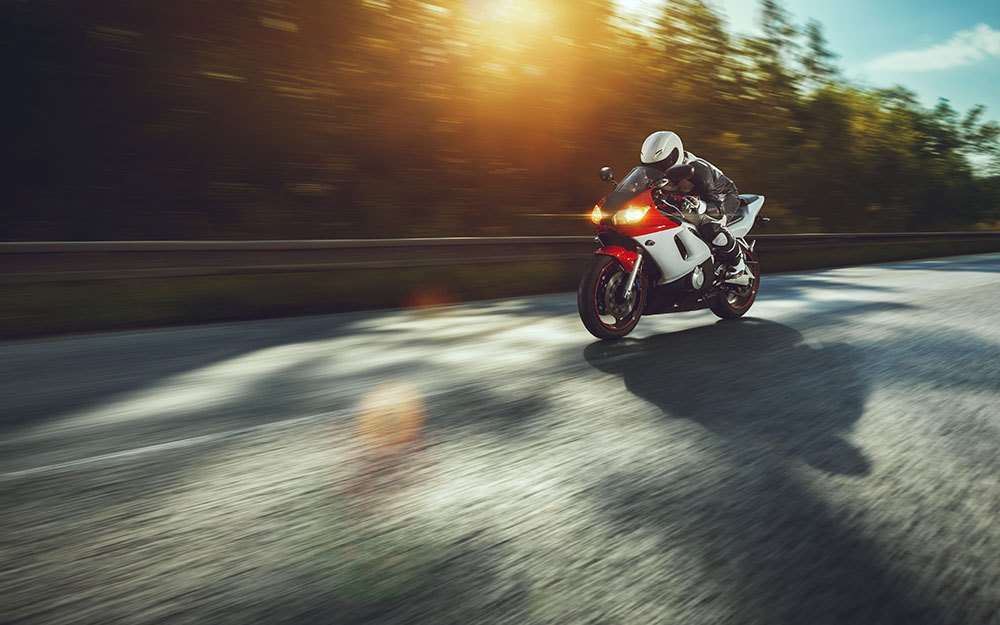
<point x="714" y="197"/>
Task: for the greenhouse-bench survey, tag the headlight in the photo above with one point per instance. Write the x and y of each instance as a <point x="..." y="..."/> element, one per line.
<point x="630" y="215"/>
<point x="596" y="215"/>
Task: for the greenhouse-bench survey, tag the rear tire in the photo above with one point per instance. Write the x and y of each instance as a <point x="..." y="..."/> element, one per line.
<point x="735" y="303"/>
<point x="598" y="298"/>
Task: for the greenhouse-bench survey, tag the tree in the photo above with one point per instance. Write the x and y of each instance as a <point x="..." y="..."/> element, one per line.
<point x="295" y="118"/>
<point x="818" y="60"/>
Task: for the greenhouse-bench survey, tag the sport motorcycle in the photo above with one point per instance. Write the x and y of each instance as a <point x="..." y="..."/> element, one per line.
<point x="652" y="259"/>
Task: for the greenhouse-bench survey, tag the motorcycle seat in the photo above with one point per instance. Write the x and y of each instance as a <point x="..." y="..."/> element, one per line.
<point x="740" y="213"/>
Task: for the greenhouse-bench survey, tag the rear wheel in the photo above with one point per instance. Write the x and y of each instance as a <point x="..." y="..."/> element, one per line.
<point x="735" y="300"/>
<point x="605" y="312"/>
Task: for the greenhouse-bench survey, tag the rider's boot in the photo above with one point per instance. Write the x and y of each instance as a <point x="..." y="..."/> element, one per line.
<point x="738" y="273"/>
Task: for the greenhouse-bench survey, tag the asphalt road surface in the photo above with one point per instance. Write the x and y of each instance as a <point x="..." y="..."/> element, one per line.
<point x="832" y="458"/>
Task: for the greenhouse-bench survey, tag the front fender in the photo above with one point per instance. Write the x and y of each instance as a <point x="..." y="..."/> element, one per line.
<point x="624" y="256"/>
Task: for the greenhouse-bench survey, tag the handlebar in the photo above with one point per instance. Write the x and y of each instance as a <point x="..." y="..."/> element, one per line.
<point x="659" y="201"/>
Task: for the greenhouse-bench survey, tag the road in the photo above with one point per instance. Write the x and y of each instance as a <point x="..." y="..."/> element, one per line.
<point x="830" y="459"/>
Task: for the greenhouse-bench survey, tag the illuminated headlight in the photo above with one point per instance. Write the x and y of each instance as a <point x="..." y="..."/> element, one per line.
<point x="596" y="215"/>
<point x="630" y="215"/>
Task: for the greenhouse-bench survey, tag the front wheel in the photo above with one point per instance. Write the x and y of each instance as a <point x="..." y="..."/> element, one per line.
<point x="604" y="311"/>
<point x="735" y="301"/>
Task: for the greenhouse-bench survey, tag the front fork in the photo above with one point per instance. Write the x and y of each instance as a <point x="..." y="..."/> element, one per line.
<point x="632" y="276"/>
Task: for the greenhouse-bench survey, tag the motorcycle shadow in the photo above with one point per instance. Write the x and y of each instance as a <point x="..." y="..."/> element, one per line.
<point x="753" y="382"/>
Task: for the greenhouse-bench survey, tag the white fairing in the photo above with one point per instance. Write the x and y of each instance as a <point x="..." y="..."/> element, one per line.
<point x="662" y="247"/>
<point x="744" y="219"/>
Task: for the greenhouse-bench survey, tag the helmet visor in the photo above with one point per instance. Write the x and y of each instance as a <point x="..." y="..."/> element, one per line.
<point x="671" y="160"/>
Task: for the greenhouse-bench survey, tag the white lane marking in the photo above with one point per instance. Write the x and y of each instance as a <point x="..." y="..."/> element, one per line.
<point x="178" y="444"/>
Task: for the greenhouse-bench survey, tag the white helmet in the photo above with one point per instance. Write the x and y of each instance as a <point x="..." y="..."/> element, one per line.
<point x="662" y="150"/>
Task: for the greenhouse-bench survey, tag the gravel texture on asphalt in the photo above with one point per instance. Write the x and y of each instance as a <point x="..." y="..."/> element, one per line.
<point x="832" y="458"/>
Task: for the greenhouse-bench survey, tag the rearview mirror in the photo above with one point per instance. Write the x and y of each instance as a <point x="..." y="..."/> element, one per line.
<point x="679" y="172"/>
<point x="607" y="176"/>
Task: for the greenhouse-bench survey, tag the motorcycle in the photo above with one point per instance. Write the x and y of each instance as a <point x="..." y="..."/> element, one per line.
<point x="652" y="259"/>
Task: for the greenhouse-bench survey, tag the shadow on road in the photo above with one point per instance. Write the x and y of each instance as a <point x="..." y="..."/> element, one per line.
<point x="45" y="379"/>
<point x="741" y="525"/>
<point x="801" y="286"/>
<point x="753" y="382"/>
<point x="988" y="264"/>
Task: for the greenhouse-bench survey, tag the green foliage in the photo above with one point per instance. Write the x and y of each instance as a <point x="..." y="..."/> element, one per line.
<point x="818" y="60"/>
<point x="226" y="119"/>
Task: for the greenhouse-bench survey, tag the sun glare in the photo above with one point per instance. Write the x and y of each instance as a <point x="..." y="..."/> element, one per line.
<point x="513" y="12"/>
<point x="639" y="15"/>
<point x="637" y="8"/>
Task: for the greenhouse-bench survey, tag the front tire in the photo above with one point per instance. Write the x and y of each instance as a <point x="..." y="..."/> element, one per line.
<point x="603" y="312"/>
<point x="735" y="302"/>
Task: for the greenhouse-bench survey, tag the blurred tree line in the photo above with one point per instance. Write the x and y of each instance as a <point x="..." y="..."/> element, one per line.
<point x="235" y="119"/>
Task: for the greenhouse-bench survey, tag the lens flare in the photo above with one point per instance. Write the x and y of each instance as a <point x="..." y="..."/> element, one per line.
<point x="391" y="416"/>
<point x="429" y="296"/>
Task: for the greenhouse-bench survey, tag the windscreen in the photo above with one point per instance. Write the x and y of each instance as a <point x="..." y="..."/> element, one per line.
<point x="637" y="181"/>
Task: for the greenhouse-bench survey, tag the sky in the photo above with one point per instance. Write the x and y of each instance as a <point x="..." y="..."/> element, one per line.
<point x="937" y="49"/>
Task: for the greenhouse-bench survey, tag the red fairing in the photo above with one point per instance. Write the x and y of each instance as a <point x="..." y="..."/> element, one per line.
<point x="625" y="257"/>
<point x="654" y="221"/>
<point x="644" y="228"/>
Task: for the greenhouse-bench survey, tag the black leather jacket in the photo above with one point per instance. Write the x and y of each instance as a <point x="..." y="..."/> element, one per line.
<point x="711" y="185"/>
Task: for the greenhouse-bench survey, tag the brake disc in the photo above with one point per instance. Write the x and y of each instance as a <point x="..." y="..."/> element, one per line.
<point x="620" y="309"/>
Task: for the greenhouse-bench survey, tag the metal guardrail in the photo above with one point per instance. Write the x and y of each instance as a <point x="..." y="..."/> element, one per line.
<point x="115" y="260"/>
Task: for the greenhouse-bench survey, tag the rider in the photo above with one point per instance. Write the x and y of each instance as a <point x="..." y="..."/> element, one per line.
<point x="714" y="195"/>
